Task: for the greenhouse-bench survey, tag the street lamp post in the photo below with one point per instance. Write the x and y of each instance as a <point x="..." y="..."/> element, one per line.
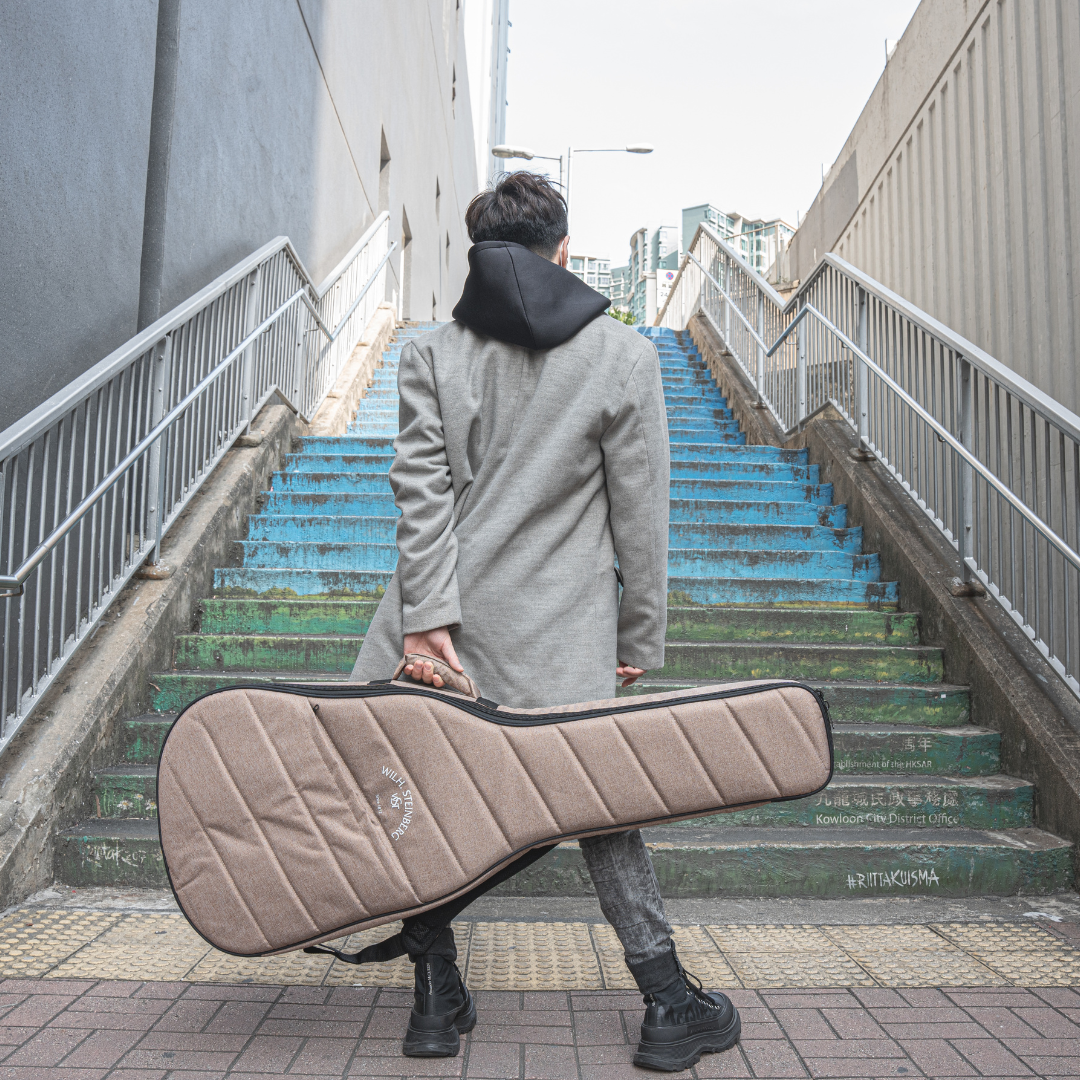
<point x="504" y="151"/>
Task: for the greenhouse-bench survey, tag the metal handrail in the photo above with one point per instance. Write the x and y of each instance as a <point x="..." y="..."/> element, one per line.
<point x="91" y="479"/>
<point x="991" y="459"/>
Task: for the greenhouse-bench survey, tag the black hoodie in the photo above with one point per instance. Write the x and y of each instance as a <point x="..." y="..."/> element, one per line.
<point x="514" y="295"/>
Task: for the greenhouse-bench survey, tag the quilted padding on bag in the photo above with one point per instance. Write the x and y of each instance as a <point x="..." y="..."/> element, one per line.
<point x="290" y="815"/>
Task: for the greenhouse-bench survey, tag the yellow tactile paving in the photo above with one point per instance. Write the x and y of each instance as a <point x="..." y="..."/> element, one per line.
<point x="557" y="956"/>
<point x="158" y="946"/>
<point x="532" y="956"/>
<point x="1021" y="955"/>
<point x="916" y="954"/>
<point x="33" y="942"/>
<point x="779" y="956"/>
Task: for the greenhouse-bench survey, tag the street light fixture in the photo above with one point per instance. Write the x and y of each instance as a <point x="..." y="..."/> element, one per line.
<point x="505" y="151"/>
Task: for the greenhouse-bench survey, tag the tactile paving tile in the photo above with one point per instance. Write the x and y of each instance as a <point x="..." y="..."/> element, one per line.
<point x="397" y="972"/>
<point x="532" y="956"/>
<point x="156" y="946"/>
<point x="1023" y="955"/>
<point x="911" y="956"/>
<point x="609" y="952"/>
<point x="32" y="942"/>
<point x="778" y="956"/>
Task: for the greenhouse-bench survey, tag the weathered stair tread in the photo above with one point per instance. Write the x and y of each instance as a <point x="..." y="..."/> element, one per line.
<point x="791" y="625"/>
<point x="141" y="736"/>
<point x="896" y="802"/>
<point x="757" y="862"/>
<point x="927" y="704"/>
<point x="817" y="660"/>
<point x="901" y="749"/>
<point x="227" y="616"/>
<point x="268" y="652"/>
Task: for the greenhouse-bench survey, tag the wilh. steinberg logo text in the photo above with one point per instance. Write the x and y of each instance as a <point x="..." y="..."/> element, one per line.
<point x="401" y="799"/>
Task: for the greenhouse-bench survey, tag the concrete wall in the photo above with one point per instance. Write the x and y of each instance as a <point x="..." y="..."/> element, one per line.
<point x="954" y="188"/>
<point x="281" y="109"/>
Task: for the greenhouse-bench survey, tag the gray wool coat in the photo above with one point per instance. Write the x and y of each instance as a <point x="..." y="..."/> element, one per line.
<point x="521" y="476"/>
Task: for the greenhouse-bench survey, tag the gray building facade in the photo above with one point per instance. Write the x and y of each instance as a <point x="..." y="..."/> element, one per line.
<point x="295" y="117"/>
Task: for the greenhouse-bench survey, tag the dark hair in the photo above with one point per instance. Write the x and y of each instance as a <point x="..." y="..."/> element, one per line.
<point x="522" y="208"/>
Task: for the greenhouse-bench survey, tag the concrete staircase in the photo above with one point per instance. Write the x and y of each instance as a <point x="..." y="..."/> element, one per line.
<point x="766" y="580"/>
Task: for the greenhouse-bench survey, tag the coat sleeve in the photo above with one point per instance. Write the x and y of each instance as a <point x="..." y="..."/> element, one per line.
<point x="424" y="493"/>
<point x="637" y="468"/>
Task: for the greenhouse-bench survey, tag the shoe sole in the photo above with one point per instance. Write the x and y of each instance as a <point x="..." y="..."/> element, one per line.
<point x="443" y="1043"/>
<point x="674" y="1057"/>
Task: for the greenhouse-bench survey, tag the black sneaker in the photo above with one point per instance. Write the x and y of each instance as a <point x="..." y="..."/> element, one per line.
<point x="682" y="1022"/>
<point x="443" y="1010"/>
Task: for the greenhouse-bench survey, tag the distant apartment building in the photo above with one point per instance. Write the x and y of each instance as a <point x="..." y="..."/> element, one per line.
<point x="594" y="271"/>
<point x="620" y="288"/>
<point x="664" y="248"/>
<point x="760" y="242"/>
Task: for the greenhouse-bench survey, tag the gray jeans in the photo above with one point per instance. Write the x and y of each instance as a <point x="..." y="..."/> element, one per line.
<point x="629" y="894"/>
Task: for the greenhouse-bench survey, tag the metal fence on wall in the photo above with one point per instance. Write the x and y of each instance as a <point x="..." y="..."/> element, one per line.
<point x="92" y="478"/>
<point x="993" y="461"/>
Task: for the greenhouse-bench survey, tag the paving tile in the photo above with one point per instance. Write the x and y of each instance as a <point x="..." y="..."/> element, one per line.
<point x="499" y="1000"/>
<point x="605" y="1053"/>
<point x="135" y="1074"/>
<point x="47" y="1072"/>
<point x="801" y="999"/>
<point x="1058" y="996"/>
<point x="192" y="1040"/>
<point x="1049" y="1023"/>
<point x="325" y="1057"/>
<point x="546" y="1017"/>
<point x="1043" y="1047"/>
<point x="848" y="1048"/>
<point x="730" y="1063"/>
<point x="772" y="1059"/>
<point x="1000" y="1022"/>
<point x="853" y="1024"/>
<point x="38" y="1009"/>
<point x="1055" y="1066"/>
<point x="115" y="988"/>
<point x="46" y="1047"/>
<point x="621" y="1071"/>
<point x="596" y="1027"/>
<point x="535" y="956"/>
<point x="550" y="1063"/>
<point x="990" y="1057"/>
<point x="870" y="1070"/>
<point x="366" y="1067"/>
<point x="937" y="1058"/>
<point x="161" y="989"/>
<point x="240" y="1017"/>
<point x="14" y="1036"/>
<point x="557" y="1036"/>
<point x="354" y="996"/>
<point x="344" y="1014"/>
<point x="226" y="992"/>
<point x="207" y="1060"/>
<point x="386" y="1024"/>
<point x="554" y="1001"/>
<point x="879" y="998"/>
<point x="268" y="1053"/>
<point x="804" y="1024"/>
<point x="968" y="1030"/>
<point x="188" y="1014"/>
<point x="494" y="1061"/>
<point x="102" y="1049"/>
<point x="1005" y="996"/>
<point x="913" y="1015"/>
<point x="73" y="987"/>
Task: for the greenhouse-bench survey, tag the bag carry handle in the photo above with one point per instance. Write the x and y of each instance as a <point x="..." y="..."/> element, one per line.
<point x="452" y="680"/>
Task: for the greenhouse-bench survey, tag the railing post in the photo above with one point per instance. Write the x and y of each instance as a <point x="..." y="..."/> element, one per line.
<point x="300" y="381"/>
<point x="159" y="406"/>
<point x="727" y="306"/>
<point x="862" y="381"/>
<point x="800" y="370"/>
<point x="251" y="320"/>
<point x="966" y="523"/>
<point x="760" y="349"/>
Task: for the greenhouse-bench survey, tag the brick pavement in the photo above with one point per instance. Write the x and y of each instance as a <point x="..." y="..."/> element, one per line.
<point x="88" y="1030"/>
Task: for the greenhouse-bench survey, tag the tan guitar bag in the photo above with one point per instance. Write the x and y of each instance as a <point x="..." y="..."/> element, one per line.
<point x="293" y="814"/>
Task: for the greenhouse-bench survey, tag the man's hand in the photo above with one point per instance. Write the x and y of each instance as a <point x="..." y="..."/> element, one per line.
<point x="628" y="674"/>
<point x="434" y="643"/>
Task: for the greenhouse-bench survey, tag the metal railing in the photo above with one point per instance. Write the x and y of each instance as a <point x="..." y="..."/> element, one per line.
<point x="992" y="460"/>
<point x="92" y="478"/>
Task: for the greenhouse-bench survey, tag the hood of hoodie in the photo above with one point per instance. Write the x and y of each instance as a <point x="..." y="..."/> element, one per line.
<point x="514" y="295"/>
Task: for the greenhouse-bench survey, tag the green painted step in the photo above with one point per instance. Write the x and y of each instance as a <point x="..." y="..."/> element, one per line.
<point x="141" y="737"/>
<point x="745" y="862"/>
<point x="735" y="862"/>
<point x="915" y="751"/>
<point x="172" y="690"/>
<point x="804" y="626"/>
<point x="113" y="853"/>
<point x="935" y="705"/>
<point x="897" y="802"/>
<point x="286" y="616"/>
<point x="684" y="660"/>
<point x="130" y="791"/>
<point x="126" y="791"/>
<point x="736" y="660"/>
<point x="793" y="625"/>
<point x="267" y="652"/>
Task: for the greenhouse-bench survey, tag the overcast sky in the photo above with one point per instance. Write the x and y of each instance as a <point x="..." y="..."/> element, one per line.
<point x="744" y="101"/>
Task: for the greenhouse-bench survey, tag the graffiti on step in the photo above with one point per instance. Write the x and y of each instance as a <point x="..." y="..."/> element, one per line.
<point x="102" y="854"/>
<point x="895" y="807"/>
<point x="892" y="879"/>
